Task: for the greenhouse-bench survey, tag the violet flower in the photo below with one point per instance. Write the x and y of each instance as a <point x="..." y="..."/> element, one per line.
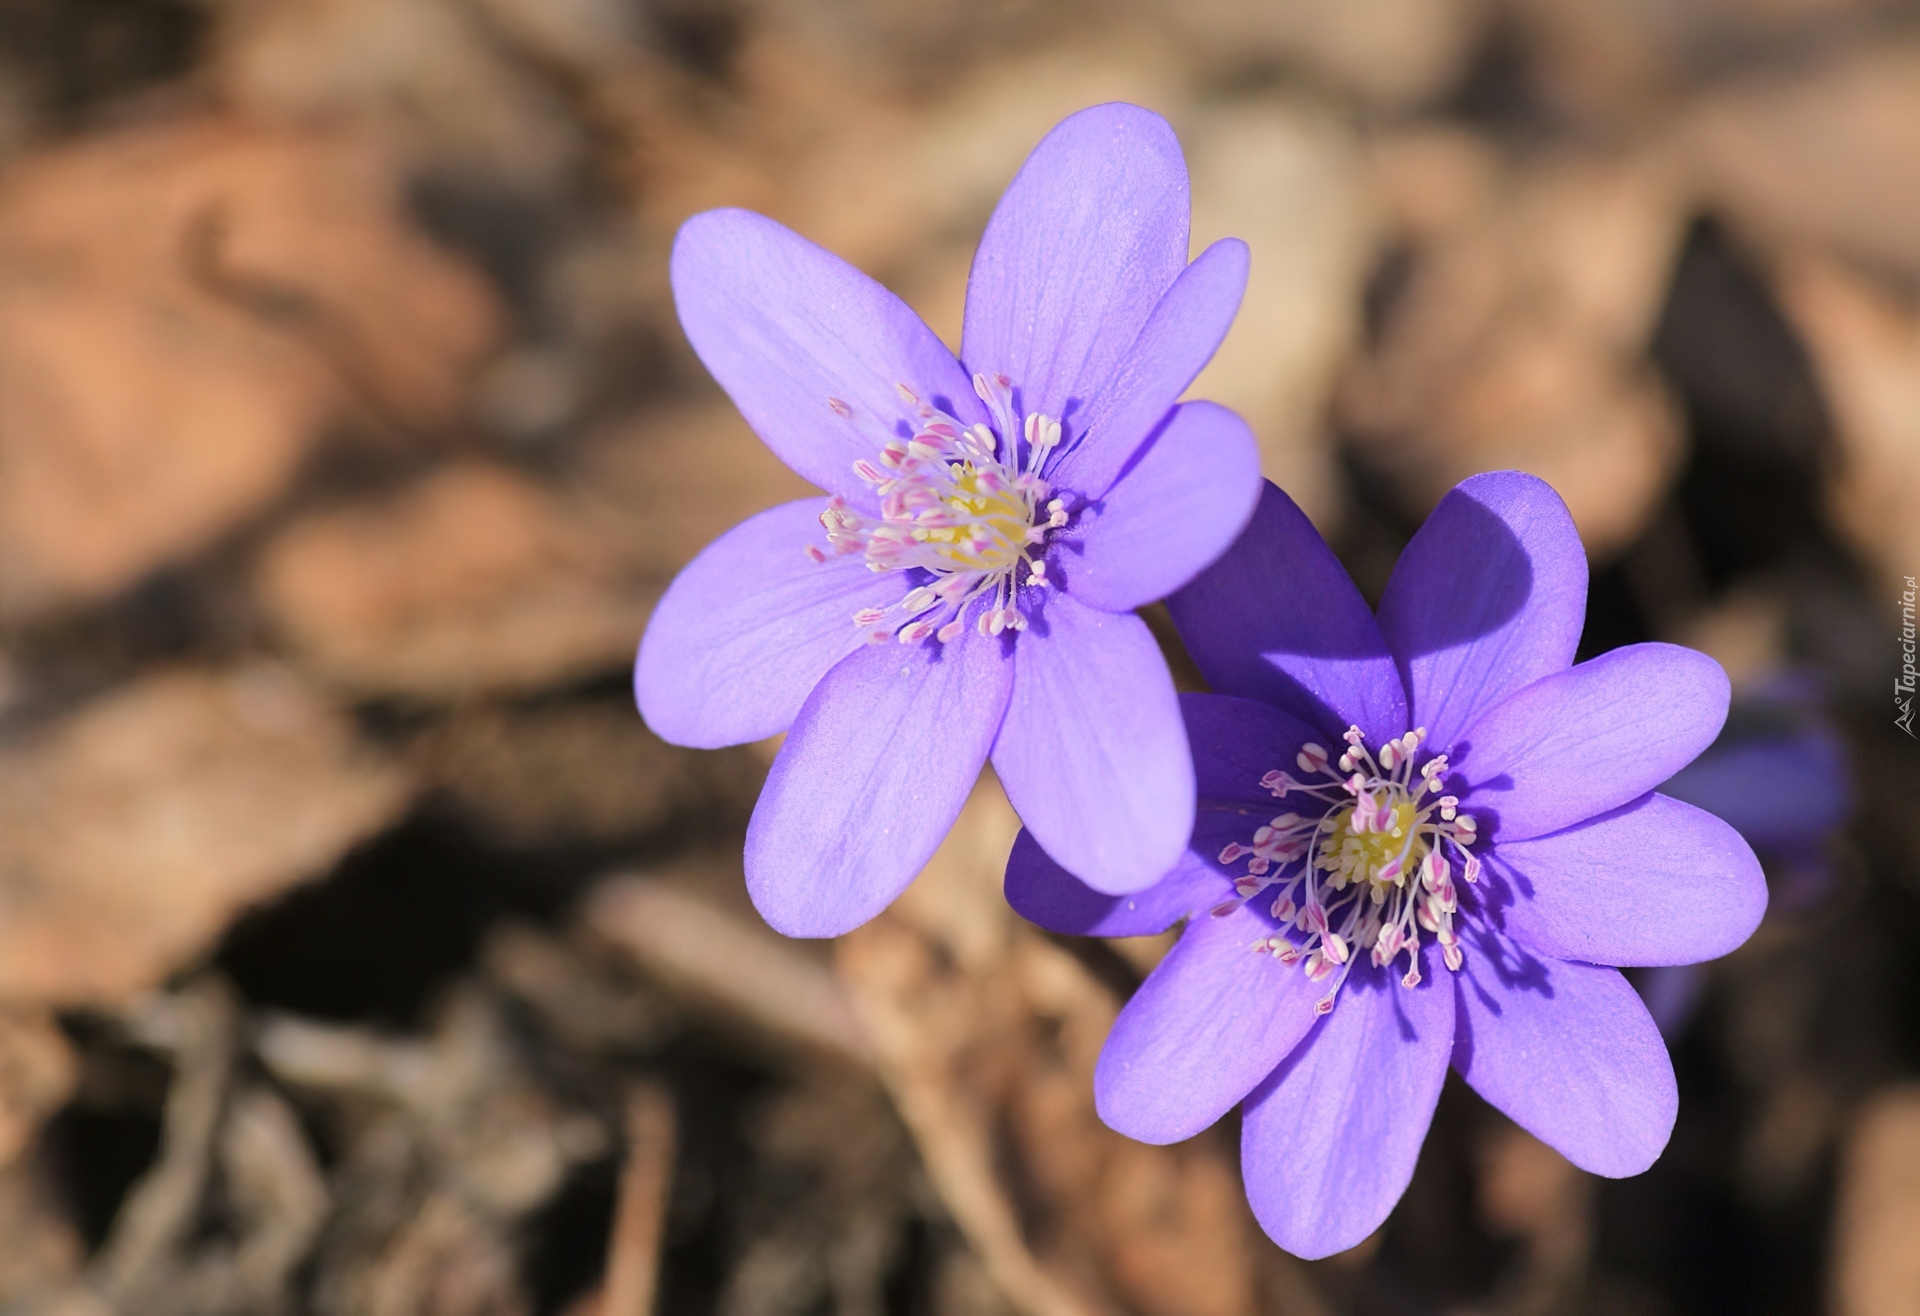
<point x="968" y="588"/>
<point x="1466" y="838"/>
<point x="1779" y="774"/>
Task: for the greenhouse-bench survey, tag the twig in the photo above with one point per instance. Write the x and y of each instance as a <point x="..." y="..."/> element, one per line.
<point x="276" y="1185"/>
<point x="883" y="964"/>
<point x="633" y="1253"/>
<point x="159" y="1212"/>
<point x="702" y="951"/>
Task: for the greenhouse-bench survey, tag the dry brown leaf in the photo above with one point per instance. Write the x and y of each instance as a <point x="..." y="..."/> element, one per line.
<point x="1831" y="155"/>
<point x="474" y="580"/>
<point x="987" y="1034"/>
<point x="426" y="76"/>
<point x="1519" y="339"/>
<point x="677" y="928"/>
<point x="674" y="480"/>
<point x="1865" y="344"/>
<point x="135" y="829"/>
<point x="579" y="770"/>
<point x="1876" y="1268"/>
<point x="181" y="310"/>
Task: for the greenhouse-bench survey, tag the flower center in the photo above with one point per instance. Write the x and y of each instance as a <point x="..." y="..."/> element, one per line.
<point x="963" y="504"/>
<point x="1368" y="870"/>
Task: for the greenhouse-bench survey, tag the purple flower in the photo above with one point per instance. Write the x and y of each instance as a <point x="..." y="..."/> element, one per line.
<point x="1466" y="833"/>
<point x="1778" y="773"/>
<point x="968" y="588"/>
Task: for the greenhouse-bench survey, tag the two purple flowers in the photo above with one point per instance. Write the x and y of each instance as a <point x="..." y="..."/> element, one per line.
<point x="1399" y="842"/>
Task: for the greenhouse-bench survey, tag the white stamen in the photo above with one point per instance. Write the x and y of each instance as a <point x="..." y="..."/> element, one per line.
<point x="1370" y="871"/>
<point x="965" y="504"/>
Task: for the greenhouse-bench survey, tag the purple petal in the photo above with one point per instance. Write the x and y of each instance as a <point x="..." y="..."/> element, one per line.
<point x="1654" y="882"/>
<point x="1780" y="791"/>
<point x="1488" y="597"/>
<point x="1089" y="236"/>
<point x="789" y="328"/>
<point x="1093" y="754"/>
<point x="1671" y="993"/>
<point x="1236" y="742"/>
<point x="870" y="779"/>
<point x="1176" y="509"/>
<point x="1568" y="1052"/>
<point x="1211" y="1021"/>
<point x="1328" y="1143"/>
<point x="749" y="627"/>
<point x="1042" y="892"/>
<point x="1178" y="340"/>
<point x="1591" y="738"/>
<point x="1277" y="619"/>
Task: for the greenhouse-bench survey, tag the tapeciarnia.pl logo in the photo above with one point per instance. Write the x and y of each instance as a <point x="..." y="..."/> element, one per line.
<point x="1904" y="683"/>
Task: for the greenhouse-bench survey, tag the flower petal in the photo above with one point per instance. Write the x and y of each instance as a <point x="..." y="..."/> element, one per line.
<point x="1042" y="892"/>
<point x="1093" y="754"/>
<point x="1568" y="1052"/>
<point x="1778" y="791"/>
<point x="1183" y="501"/>
<point x="870" y="779"/>
<point x="1089" y="236"/>
<point x="1277" y="619"/>
<point x="749" y="627"/>
<point x="1179" y="338"/>
<point x="1328" y="1143"/>
<point x="1653" y="882"/>
<point x="1236" y="742"/>
<point x="788" y="328"/>
<point x="1211" y="1021"/>
<point x="1489" y="596"/>
<point x="1591" y="738"/>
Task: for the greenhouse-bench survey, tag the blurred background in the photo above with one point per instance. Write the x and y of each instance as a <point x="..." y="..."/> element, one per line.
<point x="361" y="951"/>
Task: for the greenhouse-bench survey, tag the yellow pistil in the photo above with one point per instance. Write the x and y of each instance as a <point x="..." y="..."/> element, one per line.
<point x="993" y="530"/>
<point x="1348" y="856"/>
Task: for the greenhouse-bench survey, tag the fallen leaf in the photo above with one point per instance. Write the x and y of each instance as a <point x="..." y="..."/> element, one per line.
<point x="1830" y="155"/>
<point x="473" y="580"/>
<point x="132" y="831"/>
<point x="182" y="310"/>
<point x="1519" y="339"/>
<point x="1865" y="344"/>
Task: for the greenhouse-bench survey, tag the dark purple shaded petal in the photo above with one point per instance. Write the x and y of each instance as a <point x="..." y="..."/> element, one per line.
<point x="1671" y="993"/>
<point x="1653" y="882"/>
<point x="1236" y="742"/>
<point x="1212" y="1020"/>
<point x="1328" y="1143"/>
<point x="1591" y="738"/>
<point x="1488" y="597"/>
<point x="1786" y="790"/>
<point x="1175" y="510"/>
<point x="1568" y="1052"/>
<point x="1277" y="619"/>
<point x="1089" y="236"/>
<point x="1179" y="338"/>
<point x="1092" y="753"/>
<point x="748" y="627"/>
<point x="788" y="328"/>
<point x="1042" y="892"/>
<point x="879" y="761"/>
